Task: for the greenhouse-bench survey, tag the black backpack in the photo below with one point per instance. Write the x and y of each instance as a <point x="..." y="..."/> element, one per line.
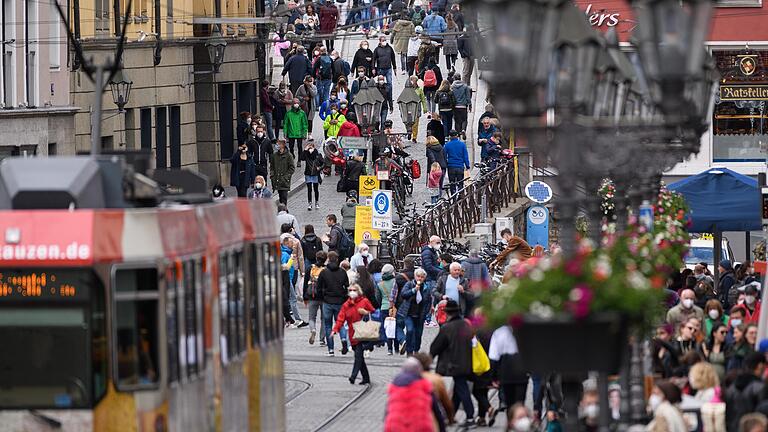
<point x="326" y="67"/>
<point x="311" y="249"/>
<point x="376" y="301"/>
<point x="444" y="99"/>
<point x="346" y="246"/>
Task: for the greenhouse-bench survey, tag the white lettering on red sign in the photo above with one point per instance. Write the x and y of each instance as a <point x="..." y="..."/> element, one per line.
<point x="601" y="18"/>
<point x="73" y="251"/>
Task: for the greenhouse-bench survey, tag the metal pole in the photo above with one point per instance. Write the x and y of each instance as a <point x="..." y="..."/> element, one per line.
<point x="98" y="90"/>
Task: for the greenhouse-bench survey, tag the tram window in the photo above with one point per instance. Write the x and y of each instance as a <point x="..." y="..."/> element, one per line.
<point x="136" y="335"/>
<point x="269" y="291"/>
<point x="172" y="325"/>
<point x="199" y="288"/>
<point x="223" y="308"/>
<point x="190" y="319"/>
<point x="256" y="294"/>
<point x="239" y="301"/>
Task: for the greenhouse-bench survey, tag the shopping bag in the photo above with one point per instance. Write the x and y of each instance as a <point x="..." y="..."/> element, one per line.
<point x="480" y="362"/>
<point x="367" y="331"/>
<point x="390" y="327"/>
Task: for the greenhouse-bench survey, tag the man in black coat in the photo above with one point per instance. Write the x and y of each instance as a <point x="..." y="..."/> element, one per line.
<point x="297" y="67"/>
<point x="746" y="391"/>
<point x="261" y="150"/>
<point x="453" y="349"/>
<point x="332" y="288"/>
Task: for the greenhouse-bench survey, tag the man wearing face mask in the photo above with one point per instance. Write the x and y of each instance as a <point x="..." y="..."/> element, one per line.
<point x="261" y="151"/>
<point x="685" y="309"/>
<point x="325" y="107"/>
<point x="384" y="60"/>
<point x="243" y="126"/>
<point x="357" y="83"/>
<point x="429" y="258"/>
<point x="242" y="171"/>
<point x="386" y="91"/>
<point x="751" y="305"/>
<point x="323" y="70"/>
<point x="259" y="189"/>
<point x="589" y="410"/>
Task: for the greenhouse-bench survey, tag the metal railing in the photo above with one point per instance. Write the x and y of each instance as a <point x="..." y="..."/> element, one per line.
<point x="456" y="214"/>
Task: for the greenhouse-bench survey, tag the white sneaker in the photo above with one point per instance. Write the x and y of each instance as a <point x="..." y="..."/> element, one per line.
<point x="317" y="206"/>
<point x="366" y="354"/>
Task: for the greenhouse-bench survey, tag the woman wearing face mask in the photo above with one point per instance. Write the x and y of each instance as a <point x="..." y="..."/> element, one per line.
<point x="713" y="313"/>
<point x="717" y="350"/>
<point x="341" y="89"/>
<point x="751" y="304"/>
<point x="663" y="404"/>
<point x="352" y="311"/>
<point x="519" y="418"/>
<point x="361" y="258"/>
<point x="314" y="163"/>
<point x="259" y="189"/>
<point x="363" y="59"/>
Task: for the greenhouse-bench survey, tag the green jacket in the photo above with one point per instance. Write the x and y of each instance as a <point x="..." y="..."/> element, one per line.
<point x="333" y="129"/>
<point x="296" y="125"/>
<point x="283" y="167"/>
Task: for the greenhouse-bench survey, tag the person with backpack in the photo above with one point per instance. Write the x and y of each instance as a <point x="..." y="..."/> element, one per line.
<point x="323" y="70"/>
<point x="341" y="69"/>
<point x="418" y="14"/>
<point x="726" y="281"/>
<point x="332" y="286"/>
<point x="297" y="67"/>
<point x="432" y="77"/>
<point x="462" y="95"/>
<point x="312" y="297"/>
<point x="337" y="239"/>
<point x="446" y="102"/>
<point x="333" y="122"/>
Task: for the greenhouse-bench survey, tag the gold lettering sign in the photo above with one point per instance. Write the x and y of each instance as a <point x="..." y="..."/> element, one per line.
<point x="743" y="92"/>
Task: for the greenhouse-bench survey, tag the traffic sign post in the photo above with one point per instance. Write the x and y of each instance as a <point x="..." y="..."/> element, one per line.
<point x="368" y="184"/>
<point x="363" y="228"/>
<point x="381" y="203"/>
<point x="537" y="232"/>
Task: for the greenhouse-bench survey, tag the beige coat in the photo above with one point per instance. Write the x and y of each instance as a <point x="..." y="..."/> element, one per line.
<point x="403" y="30"/>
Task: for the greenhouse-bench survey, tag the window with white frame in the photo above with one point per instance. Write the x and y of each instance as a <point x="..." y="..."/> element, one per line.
<point x="8" y="51"/>
<point x="54" y="36"/>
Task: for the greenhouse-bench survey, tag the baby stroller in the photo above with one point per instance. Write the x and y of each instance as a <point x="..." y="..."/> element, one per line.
<point x="334" y="155"/>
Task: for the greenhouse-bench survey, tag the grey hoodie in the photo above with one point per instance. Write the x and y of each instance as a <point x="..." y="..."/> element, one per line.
<point x="462" y="93"/>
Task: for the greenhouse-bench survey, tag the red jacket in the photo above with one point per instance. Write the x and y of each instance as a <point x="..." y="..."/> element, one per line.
<point x="751" y="317"/>
<point x="329" y="17"/>
<point x="350" y="314"/>
<point x="409" y="405"/>
<point x="349" y="129"/>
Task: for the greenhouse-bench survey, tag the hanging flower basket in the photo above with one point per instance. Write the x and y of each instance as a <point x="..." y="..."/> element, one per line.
<point x="564" y="344"/>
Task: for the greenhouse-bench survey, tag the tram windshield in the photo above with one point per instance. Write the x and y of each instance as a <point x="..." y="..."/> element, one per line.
<point x="53" y="337"/>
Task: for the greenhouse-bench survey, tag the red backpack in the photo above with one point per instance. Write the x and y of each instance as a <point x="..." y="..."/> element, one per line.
<point x="415" y="169"/>
<point x="430" y="79"/>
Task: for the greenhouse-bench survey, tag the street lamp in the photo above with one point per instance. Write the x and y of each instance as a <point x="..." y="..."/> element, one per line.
<point x="367" y="104"/>
<point x="409" y="103"/>
<point x="522" y="35"/>
<point x="670" y="36"/>
<point x="120" y="86"/>
<point x="216" y="45"/>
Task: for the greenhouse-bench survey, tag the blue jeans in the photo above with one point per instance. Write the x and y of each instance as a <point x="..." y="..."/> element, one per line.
<point x="270" y="129"/>
<point x="387" y="74"/>
<point x="447" y="118"/>
<point x="323" y="90"/>
<point x="365" y="15"/>
<point x="414" y="328"/>
<point x="330" y="312"/>
<point x="461" y="394"/>
<point x="400" y="331"/>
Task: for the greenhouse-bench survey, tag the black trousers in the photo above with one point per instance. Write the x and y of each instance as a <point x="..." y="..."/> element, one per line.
<point x="460" y="119"/>
<point x="283" y="196"/>
<point x="316" y="187"/>
<point x="410" y="64"/>
<point x="360" y="365"/>
<point x="483" y="404"/>
<point x="293" y="143"/>
<point x="513" y="393"/>
<point x="461" y="395"/>
<point x="286" y="294"/>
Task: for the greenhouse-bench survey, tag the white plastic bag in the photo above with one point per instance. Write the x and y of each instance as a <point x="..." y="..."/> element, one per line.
<point x="390" y="326"/>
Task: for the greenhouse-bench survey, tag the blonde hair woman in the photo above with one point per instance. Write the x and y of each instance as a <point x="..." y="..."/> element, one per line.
<point x="704" y="379"/>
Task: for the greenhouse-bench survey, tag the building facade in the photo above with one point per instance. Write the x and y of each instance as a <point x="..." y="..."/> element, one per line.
<point x="36" y="116"/>
<point x="178" y="108"/>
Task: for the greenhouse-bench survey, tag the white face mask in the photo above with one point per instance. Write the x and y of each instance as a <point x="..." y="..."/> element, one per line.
<point x="750" y="299"/>
<point x="522" y="424"/>
<point x="334" y="111"/>
<point x="260" y="134"/>
<point x="258" y="185"/>
<point x="295" y="105"/>
<point x="353" y="294"/>
<point x="383" y="43"/>
<point x="312" y="149"/>
<point x="654" y="401"/>
<point x="735" y="322"/>
<point x="364" y="253"/>
<point x="248" y="120"/>
<point x="714" y="314"/>
<point x="591" y="411"/>
<point x="365" y="46"/>
<point x="437" y="247"/>
<point x="688" y="303"/>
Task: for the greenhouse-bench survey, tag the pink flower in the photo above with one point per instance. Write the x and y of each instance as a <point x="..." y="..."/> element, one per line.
<point x="516" y="321"/>
<point x="580" y="301"/>
<point x="573" y="267"/>
<point x="478" y="320"/>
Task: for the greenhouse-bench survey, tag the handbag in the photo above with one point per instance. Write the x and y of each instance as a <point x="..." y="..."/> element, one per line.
<point x="480" y="362"/>
<point x="367" y="331"/>
<point x="390" y="326"/>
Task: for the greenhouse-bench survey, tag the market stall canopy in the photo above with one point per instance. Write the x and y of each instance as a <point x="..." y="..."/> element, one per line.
<point x="721" y="200"/>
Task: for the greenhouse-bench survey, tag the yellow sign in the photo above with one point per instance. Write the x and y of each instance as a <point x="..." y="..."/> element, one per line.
<point x="363" y="230"/>
<point x="368" y="184"/>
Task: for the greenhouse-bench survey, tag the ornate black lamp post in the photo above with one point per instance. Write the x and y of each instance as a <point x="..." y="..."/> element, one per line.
<point x="216" y="46"/>
<point x="409" y="103"/>
<point x="367" y="104"/>
<point x="120" y="86"/>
